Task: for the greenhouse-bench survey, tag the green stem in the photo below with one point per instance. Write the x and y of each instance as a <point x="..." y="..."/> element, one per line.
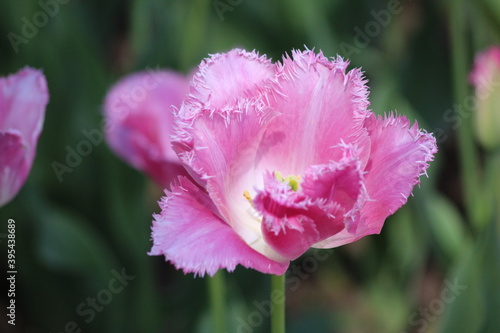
<point x="468" y="154"/>
<point x="217" y="295"/>
<point x="493" y="182"/>
<point x="496" y="188"/>
<point x="278" y="300"/>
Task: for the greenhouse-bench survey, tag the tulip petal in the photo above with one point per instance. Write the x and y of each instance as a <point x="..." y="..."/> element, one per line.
<point x="139" y="117"/>
<point x="224" y="108"/>
<point x="219" y="128"/>
<point x="399" y="156"/>
<point x="223" y="79"/>
<point x="322" y="107"/>
<point x="285" y="225"/>
<point x="485" y="76"/>
<point x="23" y="99"/>
<point x="196" y="240"/>
<point x="13" y="151"/>
<point x="329" y="196"/>
<point x="339" y="189"/>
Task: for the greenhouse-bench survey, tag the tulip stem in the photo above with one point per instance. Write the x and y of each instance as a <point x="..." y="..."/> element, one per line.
<point x="468" y="155"/>
<point x="278" y="300"/>
<point x="217" y="295"/>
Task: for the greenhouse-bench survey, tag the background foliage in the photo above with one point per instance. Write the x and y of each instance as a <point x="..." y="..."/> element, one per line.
<point x="73" y="234"/>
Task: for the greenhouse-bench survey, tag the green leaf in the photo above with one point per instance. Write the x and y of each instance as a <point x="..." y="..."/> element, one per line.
<point x="67" y="242"/>
<point x="406" y="241"/>
<point x="446" y="224"/>
<point x="493" y="8"/>
<point x="476" y="308"/>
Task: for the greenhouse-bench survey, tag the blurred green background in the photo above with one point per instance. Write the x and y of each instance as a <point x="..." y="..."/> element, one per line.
<point x="434" y="268"/>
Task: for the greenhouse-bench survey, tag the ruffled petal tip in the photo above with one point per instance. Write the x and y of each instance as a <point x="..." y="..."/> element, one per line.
<point x="196" y="240"/>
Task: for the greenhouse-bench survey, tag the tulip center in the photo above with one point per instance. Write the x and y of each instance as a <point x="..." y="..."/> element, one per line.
<point x="293" y="181"/>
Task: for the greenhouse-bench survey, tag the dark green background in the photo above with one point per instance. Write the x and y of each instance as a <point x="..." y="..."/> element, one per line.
<point x="71" y="235"/>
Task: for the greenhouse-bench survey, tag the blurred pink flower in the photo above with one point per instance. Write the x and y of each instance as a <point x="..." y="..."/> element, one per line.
<point x="485" y="76"/>
<point x="23" y="98"/>
<point x="139" y="121"/>
<point x="287" y="157"/>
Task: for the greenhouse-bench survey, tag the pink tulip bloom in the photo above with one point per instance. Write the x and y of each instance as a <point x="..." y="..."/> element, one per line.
<point x="485" y="77"/>
<point x="139" y="122"/>
<point x="23" y="98"/>
<point x="286" y="156"/>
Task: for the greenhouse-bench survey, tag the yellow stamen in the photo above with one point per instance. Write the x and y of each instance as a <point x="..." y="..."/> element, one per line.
<point x="279" y="176"/>
<point x="293" y="181"/>
<point x="247" y="196"/>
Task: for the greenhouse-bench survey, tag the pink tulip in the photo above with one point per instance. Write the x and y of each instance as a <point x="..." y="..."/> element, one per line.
<point x="286" y="156"/>
<point x="23" y="98"/>
<point x="139" y="118"/>
<point x="485" y="76"/>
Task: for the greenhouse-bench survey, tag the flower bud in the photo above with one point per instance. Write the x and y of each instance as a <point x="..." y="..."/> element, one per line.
<point x="23" y="98"/>
<point x="485" y="77"/>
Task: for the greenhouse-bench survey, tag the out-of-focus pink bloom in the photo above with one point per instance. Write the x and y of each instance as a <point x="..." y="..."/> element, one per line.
<point x="23" y="98"/>
<point x="485" y="76"/>
<point x="139" y="119"/>
<point x="287" y="157"/>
